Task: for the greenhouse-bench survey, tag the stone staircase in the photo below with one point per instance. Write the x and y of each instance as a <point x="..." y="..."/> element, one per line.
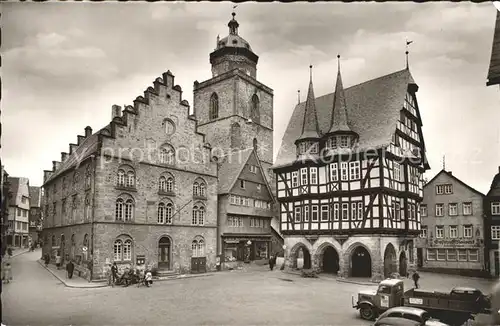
<point x="165" y="273"/>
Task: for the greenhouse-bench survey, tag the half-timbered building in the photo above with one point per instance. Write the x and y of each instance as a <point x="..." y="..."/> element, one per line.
<point x="349" y="177"/>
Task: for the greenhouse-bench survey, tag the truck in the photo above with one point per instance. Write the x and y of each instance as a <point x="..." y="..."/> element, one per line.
<point x="453" y="308"/>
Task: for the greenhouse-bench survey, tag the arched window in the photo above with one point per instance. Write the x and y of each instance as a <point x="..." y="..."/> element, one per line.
<point x="117" y="250"/>
<point x="194" y="220"/>
<point x="202" y="190"/>
<point x="201" y="215"/>
<point x="198" y="248"/>
<point x="162" y="184"/>
<point x="161" y="213"/>
<point x="86" y="240"/>
<point x="88" y="176"/>
<point x="167" y="155"/>
<point x="170" y="184"/>
<point x="235" y="136"/>
<point x="73" y="208"/>
<point x="169" y="127"/>
<point x="87" y="209"/>
<point x="254" y="110"/>
<point x="198" y="215"/>
<point x="195" y="189"/>
<point x="255" y="145"/>
<point x="130" y="179"/>
<point x="194" y="248"/>
<point x="121" y="178"/>
<point x="169" y="212"/>
<point x="214" y="107"/>
<point x="127" y="250"/>
<point x="129" y="210"/>
<point x="119" y="209"/>
<point x="122" y="249"/>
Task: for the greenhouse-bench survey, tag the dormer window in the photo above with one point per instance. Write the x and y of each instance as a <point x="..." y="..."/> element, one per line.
<point x="332" y="143"/>
<point x="344" y="141"/>
<point x="314" y="148"/>
<point x="308" y="147"/>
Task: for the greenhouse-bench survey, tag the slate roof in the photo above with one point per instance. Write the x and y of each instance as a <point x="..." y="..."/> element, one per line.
<point x="310" y="125"/>
<point x="340" y="120"/>
<point x="373" y="111"/>
<point x="35" y="197"/>
<point x="495" y="186"/>
<point x="231" y="168"/>
<point x="449" y="174"/>
<point x="89" y="146"/>
<point x="14" y="189"/>
<point x="494" y="71"/>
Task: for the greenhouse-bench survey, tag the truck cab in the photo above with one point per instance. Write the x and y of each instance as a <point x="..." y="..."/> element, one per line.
<point x="373" y="302"/>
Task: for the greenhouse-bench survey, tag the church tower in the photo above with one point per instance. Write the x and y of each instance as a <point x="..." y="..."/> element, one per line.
<point x="233" y="109"/>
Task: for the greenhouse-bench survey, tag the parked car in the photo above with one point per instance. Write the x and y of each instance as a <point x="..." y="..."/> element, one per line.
<point x="395" y="321"/>
<point x="420" y="316"/>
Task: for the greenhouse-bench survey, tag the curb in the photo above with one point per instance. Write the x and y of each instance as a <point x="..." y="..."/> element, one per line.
<point x="72" y="286"/>
<point x="356" y="282"/>
<point x="171" y="278"/>
<point x="19" y="253"/>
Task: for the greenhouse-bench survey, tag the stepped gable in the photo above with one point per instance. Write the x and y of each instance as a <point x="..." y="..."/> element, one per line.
<point x="374" y="109"/>
<point x="231" y="168"/>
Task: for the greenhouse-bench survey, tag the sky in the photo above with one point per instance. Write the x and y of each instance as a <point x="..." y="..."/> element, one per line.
<point x="65" y="65"/>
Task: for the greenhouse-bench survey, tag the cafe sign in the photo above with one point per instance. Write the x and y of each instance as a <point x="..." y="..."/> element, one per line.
<point x="456" y="242"/>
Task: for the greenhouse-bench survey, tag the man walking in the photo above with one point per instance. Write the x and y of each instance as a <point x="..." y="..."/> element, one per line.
<point x="272" y="261"/>
<point x="70" y="268"/>
<point x="416" y="277"/>
<point x="114" y="272"/>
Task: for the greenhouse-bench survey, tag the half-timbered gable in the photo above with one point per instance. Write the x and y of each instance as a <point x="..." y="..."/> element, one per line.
<point x="365" y="178"/>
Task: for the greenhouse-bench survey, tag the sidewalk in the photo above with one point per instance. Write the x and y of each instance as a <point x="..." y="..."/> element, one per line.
<point x="75" y="282"/>
<point x="19" y="251"/>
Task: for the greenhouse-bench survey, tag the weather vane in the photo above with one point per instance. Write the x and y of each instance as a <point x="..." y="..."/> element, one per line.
<point x="407" y="43"/>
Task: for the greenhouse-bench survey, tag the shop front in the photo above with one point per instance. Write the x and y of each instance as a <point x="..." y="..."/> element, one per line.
<point x="244" y="249"/>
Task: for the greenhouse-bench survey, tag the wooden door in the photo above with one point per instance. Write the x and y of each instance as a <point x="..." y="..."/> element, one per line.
<point x="164" y="253"/>
<point x="198" y="264"/>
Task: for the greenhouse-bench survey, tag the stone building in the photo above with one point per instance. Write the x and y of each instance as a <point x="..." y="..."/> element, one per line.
<point x="19" y="207"/>
<point x="349" y="178"/>
<point x="4" y="210"/>
<point x="494" y="69"/>
<point x="491" y="208"/>
<point x="452" y="235"/>
<point x="146" y="187"/>
<point x="35" y="214"/>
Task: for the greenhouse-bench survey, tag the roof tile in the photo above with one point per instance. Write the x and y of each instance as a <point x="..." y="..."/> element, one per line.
<point x="494" y="71"/>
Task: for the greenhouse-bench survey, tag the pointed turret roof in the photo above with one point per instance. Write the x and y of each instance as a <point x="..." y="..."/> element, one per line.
<point x="310" y="127"/>
<point x="339" y="113"/>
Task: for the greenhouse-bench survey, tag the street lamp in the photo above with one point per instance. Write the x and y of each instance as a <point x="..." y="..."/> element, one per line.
<point x="284" y="257"/>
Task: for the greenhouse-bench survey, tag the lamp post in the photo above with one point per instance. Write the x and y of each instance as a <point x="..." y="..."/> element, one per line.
<point x="284" y="257"/>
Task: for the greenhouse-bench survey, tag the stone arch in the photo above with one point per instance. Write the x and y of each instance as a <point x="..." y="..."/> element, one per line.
<point x="165" y="245"/>
<point x="403" y="264"/>
<point x="390" y="263"/>
<point x="327" y="258"/>
<point x="255" y="109"/>
<point x="300" y="252"/>
<point x="360" y="260"/>
<point x="235" y="136"/>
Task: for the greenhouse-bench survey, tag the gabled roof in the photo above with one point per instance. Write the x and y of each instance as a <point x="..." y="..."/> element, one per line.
<point x="450" y="175"/>
<point x="495" y="186"/>
<point x="374" y="109"/>
<point x="14" y="189"/>
<point x="35" y="197"/>
<point x="340" y="121"/>
<point x="494" y="71"/>
<point x="310" y="127"/>
<point x="231" y="168"/>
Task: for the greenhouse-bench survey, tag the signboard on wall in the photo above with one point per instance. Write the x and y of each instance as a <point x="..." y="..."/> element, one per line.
<point x="456" y="242"/>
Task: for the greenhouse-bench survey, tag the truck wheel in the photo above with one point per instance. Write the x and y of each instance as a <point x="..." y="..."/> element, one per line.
<point x="367" y="312"/>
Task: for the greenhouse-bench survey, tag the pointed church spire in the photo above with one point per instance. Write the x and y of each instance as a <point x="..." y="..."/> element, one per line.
<point x="339" y="114"/>
<point x="310" y="128"/>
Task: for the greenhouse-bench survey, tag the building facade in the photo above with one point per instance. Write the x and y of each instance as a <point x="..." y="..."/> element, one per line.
<point x="452" y="235"/>
<point x="19" y="207"/>
<point x="35" y="214"/>
<point x="349" y="178"/>
<point x="146" y="187"/>
<point x="4" y="211"/>
<point x="492" y="226"/>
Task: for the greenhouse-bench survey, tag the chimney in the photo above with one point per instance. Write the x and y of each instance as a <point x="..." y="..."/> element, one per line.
<point x="116" y="111"/>
<point x="64" y="156"/>
<point x="88" y="131"/>
<point x="80" y="139"/>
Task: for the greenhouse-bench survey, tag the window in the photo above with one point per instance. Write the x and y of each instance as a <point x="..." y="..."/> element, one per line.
<point x="127" y="250"/>
<point x="198" y="248"/>
<point x="165" y="212"/>
<point x="124" y="209"/>
<point x="198" y="215"/>
<point x="334" y="173"/>
<point x="169" y="127"/>
<point x="162" y="184"/>
<point x="495" y="208"/>
<point x="453" y="231"/>
<point x="259" y="187"/>
<point x="397" y="171"/>
<point x="423" y="210"/>
<point x="441" y="254"/>
<point x="344" y="141"/>
<point x="360" y="211"/>
<point x="214" y="107"/>
<point x="467" y="231"/>
<point x="423" y="232"/>
<point x="473" y="254"/>
<point x="118" y="250"/>
<point x="195" y="189"/>
<point x="439" y="209"/>
<point x="255" y="145"/>
<point x="122" y="250"/>
<point x="345" y="212"/>
<point x="332" y="142"/>
<point x="354" y="211"/>
<point x="87" y="208"/>
<point x="453" y="209"/>
<point x="88" y="176"/>
<point x="451" y="254"/>
<point x="73" y="207"/>
<point x="324" y="212"/>
<point x="314" y="148"/>
<point x="167" y="155"/>
<point x="495" y="232"/>
<point x="242" y="184"/>
<point x="295" y="179"/>
<point x="431" y="254"/>
<point x="343" y="171"/>
<point x="314" y="175"/>
<point x="297" y="214"/>
<point x="306" y="213"/>
<point x="439" y="232"/>
<point x="314" y="213"/>
<point x="467" y="208"/>
<point x="448" y="189"/>
<point x="336" y="212"/>
<point x="462" y="254"/>
<point x="203" y="188"/>
<point x="130" y="179"/>
<point x="439" y="189"/>
<point x="121" y="178"/>
<point x="354" y="170"/>
<point x="254" y="112"/>
<point x="253" y="169"/>
<point x="303" y="176"/>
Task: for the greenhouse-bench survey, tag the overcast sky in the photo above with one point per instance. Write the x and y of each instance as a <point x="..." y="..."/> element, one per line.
<point x="65" y="64"/>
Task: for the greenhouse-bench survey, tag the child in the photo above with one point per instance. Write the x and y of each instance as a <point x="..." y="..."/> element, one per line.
<point x="149" y="278"/>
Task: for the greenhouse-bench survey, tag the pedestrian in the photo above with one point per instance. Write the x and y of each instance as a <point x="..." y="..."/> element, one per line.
<point x="70" y="267"/>
<point x="47" y="260"/>
<point x="7" y="276"/>
<point x="58" y="261"/>
<point x="9" y="251"/>
<point x="416" y="277"/>
<point x="149" y="278"/>
<point x="271" y="262"/>
<point x="114" y="272"/>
